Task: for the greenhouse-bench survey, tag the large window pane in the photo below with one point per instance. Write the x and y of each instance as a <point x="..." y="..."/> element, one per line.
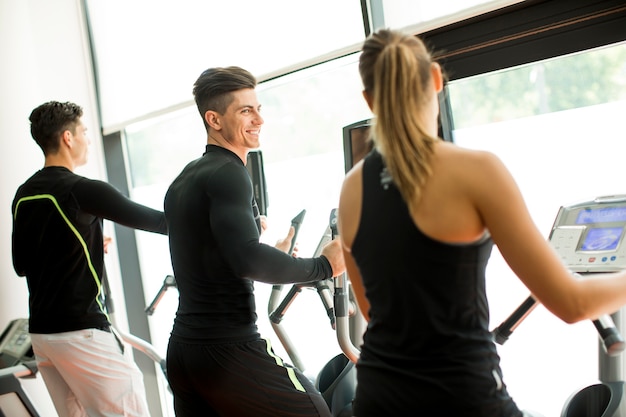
<point x="405" y="13"/>
<point x="558" y="127"/>
<point x="147" y="51"/>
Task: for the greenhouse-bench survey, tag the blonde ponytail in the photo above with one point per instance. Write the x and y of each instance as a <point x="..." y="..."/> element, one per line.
<point x="396" y="72"/>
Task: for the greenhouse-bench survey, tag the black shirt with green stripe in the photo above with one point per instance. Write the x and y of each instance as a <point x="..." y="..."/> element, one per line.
<point x="58" y="245"/>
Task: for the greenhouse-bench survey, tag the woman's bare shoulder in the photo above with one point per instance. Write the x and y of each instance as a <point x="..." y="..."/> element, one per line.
<point x="453" y="150"/>
<point x="463" y="160"/>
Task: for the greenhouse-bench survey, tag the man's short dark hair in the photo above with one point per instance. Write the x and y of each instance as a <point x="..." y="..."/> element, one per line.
<point x="212" y="89"/>
<point x="49" y="120"/>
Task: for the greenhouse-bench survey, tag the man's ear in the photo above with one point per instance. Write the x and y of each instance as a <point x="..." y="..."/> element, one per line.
<point x="368" y="99"/>
<point x="212" y="119"/>
<point x="66" y="138"/>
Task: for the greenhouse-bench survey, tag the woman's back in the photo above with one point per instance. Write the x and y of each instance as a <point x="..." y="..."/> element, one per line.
<point x="399" y="262"/>
<point x="429" y="314"/>
<point x="446" y="210"/>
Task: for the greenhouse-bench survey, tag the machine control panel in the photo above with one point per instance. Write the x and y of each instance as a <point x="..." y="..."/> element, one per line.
<point x="15" y="344"/>
<point x="589" y="236"/>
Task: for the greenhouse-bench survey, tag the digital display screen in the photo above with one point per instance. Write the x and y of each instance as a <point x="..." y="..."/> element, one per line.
<point x="356" y="142"/>
<point x="360" y="143"/>
<point x="602" y="239"/>
<point x="602" y="215"/>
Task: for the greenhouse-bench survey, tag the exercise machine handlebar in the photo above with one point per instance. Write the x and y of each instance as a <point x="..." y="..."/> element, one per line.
<point x="168" y="282"/>
<point x="145" y="348"/>
<point x="342" y="312"/>
<point x="25" y="369"/>
<point x="342" y="304"/>
<point x="505" y="329"/>
<point x="613" y="341"/>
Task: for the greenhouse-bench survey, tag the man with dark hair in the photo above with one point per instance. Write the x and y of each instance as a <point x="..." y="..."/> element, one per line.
<point x="217" y="363"/>
<point x="58" y="245"/>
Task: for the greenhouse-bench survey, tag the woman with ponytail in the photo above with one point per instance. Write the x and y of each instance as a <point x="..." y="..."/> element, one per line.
<point x="418" y="218"/>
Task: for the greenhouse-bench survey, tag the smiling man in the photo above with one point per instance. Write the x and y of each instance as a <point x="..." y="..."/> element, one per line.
<point x="217" y="362"/>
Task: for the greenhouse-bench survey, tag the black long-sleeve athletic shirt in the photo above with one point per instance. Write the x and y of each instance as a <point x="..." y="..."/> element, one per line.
<point x="58" y="245"/>
<point x="214" y="230"/>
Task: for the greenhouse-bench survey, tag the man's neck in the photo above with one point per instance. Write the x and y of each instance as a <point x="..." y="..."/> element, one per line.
<point x="218" y="140"/>
<point x="59" y="160"/>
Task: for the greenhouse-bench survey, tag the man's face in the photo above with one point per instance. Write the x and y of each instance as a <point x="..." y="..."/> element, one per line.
<point x="241" y="123"/>
<point x="80" y="144"/>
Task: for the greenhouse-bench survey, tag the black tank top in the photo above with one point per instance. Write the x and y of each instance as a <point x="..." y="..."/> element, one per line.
<point x="429" y="314"/>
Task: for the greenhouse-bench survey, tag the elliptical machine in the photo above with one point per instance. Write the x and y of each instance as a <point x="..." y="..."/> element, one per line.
<point x="337" y="379"/>
<point x="590" y="238"/>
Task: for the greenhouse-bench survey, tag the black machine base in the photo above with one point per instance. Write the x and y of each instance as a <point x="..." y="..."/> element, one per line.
<point x="337" y="384"/>
<point x="604" y="399"/>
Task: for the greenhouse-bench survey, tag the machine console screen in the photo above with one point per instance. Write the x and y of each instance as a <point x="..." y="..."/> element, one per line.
<point x="591" y="236"/>
<point x="602" y="215"/>
<point x="602" y="239"/>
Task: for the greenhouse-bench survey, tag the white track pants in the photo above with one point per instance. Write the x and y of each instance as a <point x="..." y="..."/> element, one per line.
<point x="89" y="373"/>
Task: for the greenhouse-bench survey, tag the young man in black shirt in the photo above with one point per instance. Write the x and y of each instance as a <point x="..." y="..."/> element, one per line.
<point x="217" y="363"/>
<point x="58" y="245"/>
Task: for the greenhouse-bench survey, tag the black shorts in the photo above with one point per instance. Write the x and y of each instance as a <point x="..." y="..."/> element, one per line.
<point x="238" y="380"/>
